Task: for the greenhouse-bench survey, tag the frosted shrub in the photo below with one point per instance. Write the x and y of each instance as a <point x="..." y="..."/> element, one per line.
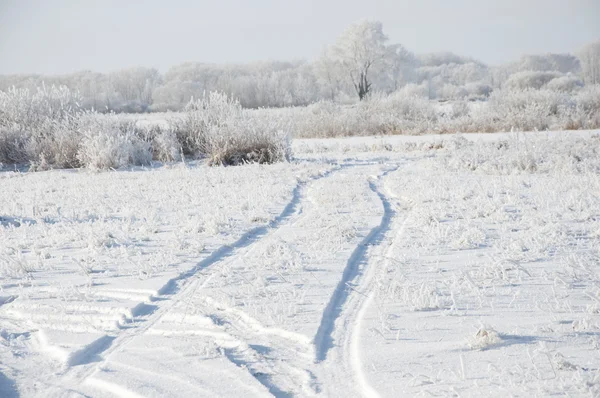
<point x="247" y="140"/>
<point x="399" y="113"/>
<point x="395" y="114"/>
<point x="321" y="119"/>
<point x="324" y="119"/>
<point x="478" y="90"/>
<point x="523" y="110"/>
<point x="106" y="145"/>
<point x="107" y="150"/>
<point x="56" y="144"/>
<point x="13" y="146"/>
<point x="403" y="113"/>
<point x="589" y="98"/>
<point x="586" y="113"/>
<point x="530" y="80"/>
<point x="412" y="90"/>
<point x="418" y="113"/>
<point x="162" y="139"/>
<point x="203" y="116"/>
<point x="23" y="110"/>
<point x="217" y="127"/>
<point x="39" y="128"/>
<point x="166" y="147"/>
<point x="566" y="84"/>
<point x="48" y="129"/>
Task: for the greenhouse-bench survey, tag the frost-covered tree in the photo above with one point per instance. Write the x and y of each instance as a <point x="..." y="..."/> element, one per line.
<point x="530" y="79"/>
<point x="259" y="84"/>
<point x="566" y="84"/>
<point x="134" y="87"/>
<point x="360" y="50"/>
<point x="329" y="74"/>
<point x="590" y="62"/>
<point x="563" y="63"/>
<point x="446" y="76"/>
<point x="400" y="67"/>
<point x="442" y="58"/>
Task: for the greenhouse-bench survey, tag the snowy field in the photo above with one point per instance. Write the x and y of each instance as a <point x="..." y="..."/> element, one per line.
<point x="401" y="266"/>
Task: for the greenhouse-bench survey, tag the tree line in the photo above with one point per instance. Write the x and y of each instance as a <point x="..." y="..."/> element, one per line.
<point x="359" y="63"/>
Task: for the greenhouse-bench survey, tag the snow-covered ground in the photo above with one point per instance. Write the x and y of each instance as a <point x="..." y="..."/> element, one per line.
<point x="444" y="266"/>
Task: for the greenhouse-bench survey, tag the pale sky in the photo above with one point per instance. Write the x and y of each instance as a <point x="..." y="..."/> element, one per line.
<point x="61" y="36"/>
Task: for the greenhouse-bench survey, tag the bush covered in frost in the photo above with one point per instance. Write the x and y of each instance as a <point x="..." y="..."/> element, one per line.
<point x="217" y="127"/>
<point x="39" y="128"/>
<point x="49" y="129"/>
<point x="406" y="113"/>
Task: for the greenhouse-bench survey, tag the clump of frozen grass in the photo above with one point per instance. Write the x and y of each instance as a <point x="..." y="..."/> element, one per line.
<point x="247" y="140"/>
<point x="529" y="110"/>
<point x="504" y="271"/>
<point x="395" y="114"/>
<point x="49" y="129"/>
<point x="561" y="363"/>
<point x="24" y="110"/>
<point x="423" y="296"/>
<point x="104" y="146"/>
<point x="166" y="147"/>
<point x="218" y="128"/>
<point x="471" y="238"/>
<point x="216" y="225"/>
<point x="519" y="154"/>
<point x="405" y="113"/>
<point x="585" y="324"/>
<point x="281" y="257"/>
<point x="15" y="266"/>
<point x="485" y="337"/>
<point x="39" y="128"/>
<point x="203" y="118"/>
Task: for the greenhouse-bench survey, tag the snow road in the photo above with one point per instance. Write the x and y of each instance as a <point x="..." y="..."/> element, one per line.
<point x="362" y="271"/>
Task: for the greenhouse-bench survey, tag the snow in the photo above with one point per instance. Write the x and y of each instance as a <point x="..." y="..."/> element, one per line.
<point x="376" y="267"/>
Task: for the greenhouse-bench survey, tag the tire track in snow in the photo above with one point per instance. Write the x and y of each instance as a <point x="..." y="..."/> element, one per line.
<point x="355" y="315"/>
<point x="290" y="355"/>
<point x="182" y="286"/>
<point x="297" y="367"/>
<point x="343" y="319"/>
<point x="280" y="360"/>
<point x="324" y="340"/>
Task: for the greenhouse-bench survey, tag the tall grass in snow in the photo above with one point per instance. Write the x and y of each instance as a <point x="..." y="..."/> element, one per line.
<point x="40" y="127"/>
<point x="217" y="126"/>
<point x="49" y="129"/>
<point x="405" y="112"/>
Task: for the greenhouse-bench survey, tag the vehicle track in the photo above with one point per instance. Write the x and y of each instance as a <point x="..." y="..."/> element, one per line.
<point x="186" y="283"/>
<point x="323" y="340"/>
<point x="301" y="362"/>
<point x="338" y="341"/>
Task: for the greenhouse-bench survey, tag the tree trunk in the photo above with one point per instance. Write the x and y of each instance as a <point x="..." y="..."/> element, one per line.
<point x="363" y="86"/>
